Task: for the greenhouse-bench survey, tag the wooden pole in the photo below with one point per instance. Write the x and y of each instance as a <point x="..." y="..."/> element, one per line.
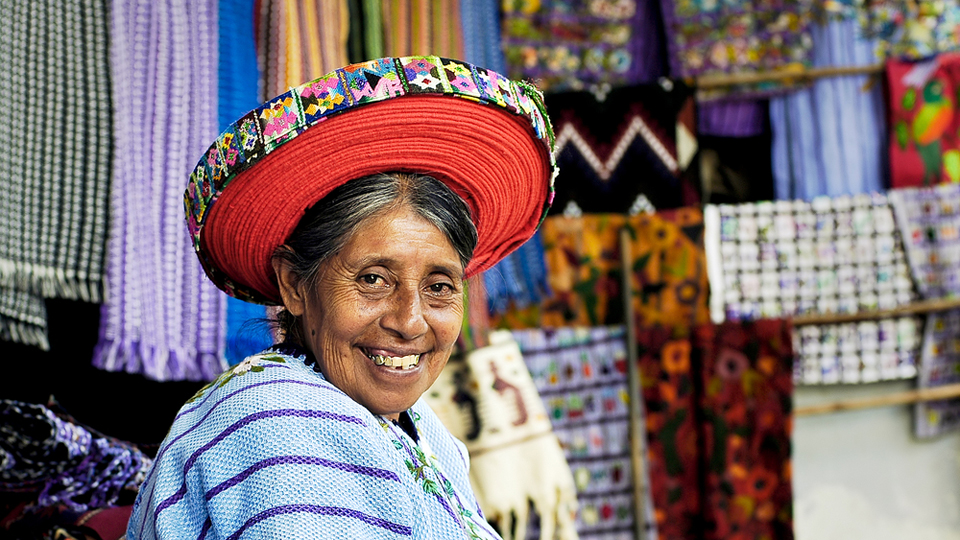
<point x="637" y="431"/>
<point x="783" y="74"/>
<point x="925" y="306"/>
<point x="899" y="398"/>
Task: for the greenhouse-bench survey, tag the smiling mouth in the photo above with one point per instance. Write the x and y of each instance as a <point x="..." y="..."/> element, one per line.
<point x="397" y="362"/>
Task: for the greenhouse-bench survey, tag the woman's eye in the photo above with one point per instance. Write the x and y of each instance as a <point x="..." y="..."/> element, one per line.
<point x="371" y="279"/>
<point x="441" y="288"/>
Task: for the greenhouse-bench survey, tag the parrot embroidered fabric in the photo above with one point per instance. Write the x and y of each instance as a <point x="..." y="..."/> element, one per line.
<point x="924" y="124"/>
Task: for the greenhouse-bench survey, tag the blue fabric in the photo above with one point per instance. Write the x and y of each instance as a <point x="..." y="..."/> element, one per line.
<point x="273" y="450"/>
<point x="519" y="279"/>
<point x="830" y="139"/>
<point x="480" y="20"/>
<point x="237" y="88"/>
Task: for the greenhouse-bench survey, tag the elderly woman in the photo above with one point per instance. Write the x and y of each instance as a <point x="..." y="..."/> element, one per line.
<point x="360" y="202"/>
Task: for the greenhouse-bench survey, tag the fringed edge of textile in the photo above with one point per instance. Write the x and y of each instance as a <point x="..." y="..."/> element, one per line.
<point x="51" y="282"/>
<point x="158" y="363"/>
<point x="24" y="332"/>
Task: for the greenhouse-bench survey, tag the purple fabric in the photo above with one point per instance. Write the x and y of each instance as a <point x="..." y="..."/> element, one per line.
<point x="162" y="317"/>
<point x="732" y="118"/>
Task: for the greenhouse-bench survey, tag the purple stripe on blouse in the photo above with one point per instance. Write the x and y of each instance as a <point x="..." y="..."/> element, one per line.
<point x="325" y="511"/>
<point x="208" y="413"/>
<point x="301" y="460"/>
<point x="206" y="528"/>
<point x="212" y="392"/>
<point x="179" y="495"/>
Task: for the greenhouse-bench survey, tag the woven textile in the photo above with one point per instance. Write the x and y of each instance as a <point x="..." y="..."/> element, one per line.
<point x="706" y="37"/>
<point x="63" y="463"/>
<point x="423" y="28"/>
<point x="584" y="271"/>
<point x="237" y="80"/>
<point x="574" y="45"/>
<point x="612" y="150"/>
<point x="718" y="424"/>
<point x="162" y="318"/>
<point x="480" y="20"/>
<point x="488" y="400"/>
<point x="840" y="255"/>
<point x="55" y="169"/>
<point x="581" y="375"/>
<point x="929" y="221"/>
<point x="519" y="280"/>
<point x="828" y="139"/>
<point x="911" y="28"/>
<point x="924" y="123"/>
<point x="270" y="449"/>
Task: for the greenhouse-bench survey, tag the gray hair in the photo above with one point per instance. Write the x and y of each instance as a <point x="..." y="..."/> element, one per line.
<point x="327" y="226"/>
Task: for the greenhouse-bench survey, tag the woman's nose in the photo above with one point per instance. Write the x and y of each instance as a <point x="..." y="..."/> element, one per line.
<point x="405" y="314"/>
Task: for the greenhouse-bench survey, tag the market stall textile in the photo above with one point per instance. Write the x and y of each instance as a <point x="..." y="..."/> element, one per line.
<point x="717" y="403"/>
<point x="519" y="280"/>
<point x="480" y="20"/>
<point x="55" y="169"/>
<point x="910" y="28"/>
<point x="832" y="255"/>
<point x="423" y="28"/>
<point x="828" y="139"/>
<point x="162" y="317"/>
<point x="584" y="271"/>
<point x="573" y="47"/>
<point x="924" y="144"/>
<point x="581" y="375"/>
<point x="59" y="463"/>
<point x="929" y="222"/>
<point x="630" y="142"/>
<point x="705" y="38"/>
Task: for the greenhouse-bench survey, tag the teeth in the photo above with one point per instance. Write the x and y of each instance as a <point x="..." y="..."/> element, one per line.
<point x="398" y="362"/>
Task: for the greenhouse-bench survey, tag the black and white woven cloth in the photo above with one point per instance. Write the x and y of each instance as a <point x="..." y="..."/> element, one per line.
<point x="55" y="167"/>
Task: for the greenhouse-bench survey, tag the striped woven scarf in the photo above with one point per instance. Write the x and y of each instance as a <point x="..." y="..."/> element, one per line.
<point x="162" y="318"/>
<point x="54" y="171"/>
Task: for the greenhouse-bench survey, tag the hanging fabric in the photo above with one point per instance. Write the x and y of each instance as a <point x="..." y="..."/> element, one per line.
<point x="162" y="317"/>
<point x="423" y="28"/>
<point x="584" y="271"/>
<point x="924" y="139"/>
<point x="519" y="280"/>
<point x="488" y="400"/>
<point x="299" y="40"/>
<point x="718" y="420"/>
<point x="480" y="20"/>
<point x="581" y="375"/>
<point x="706" y="38"/>
<point x="732" y="118"/>
<point x="929" y="222"/>
<point x="828" y="139"/>
<point x="55" y="170"/>
<point x="593" y="44"/>
<point x="912" y="28"/>
<point x="839" y="255"/>
<point x="237" y="92"/>
<point x="631" y="142"/>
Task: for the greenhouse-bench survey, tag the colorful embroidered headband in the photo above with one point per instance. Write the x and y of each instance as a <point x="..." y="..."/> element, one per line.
<point x="485" y="136"/>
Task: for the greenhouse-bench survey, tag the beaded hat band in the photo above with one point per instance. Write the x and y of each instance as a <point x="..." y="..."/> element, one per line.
<point x="485" y="136"/>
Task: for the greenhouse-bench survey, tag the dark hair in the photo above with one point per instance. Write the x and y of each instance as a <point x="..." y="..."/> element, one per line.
<point x="329" y="224"/>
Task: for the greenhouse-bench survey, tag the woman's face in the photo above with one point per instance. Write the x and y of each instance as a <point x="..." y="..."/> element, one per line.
<point x="385" y="312"/>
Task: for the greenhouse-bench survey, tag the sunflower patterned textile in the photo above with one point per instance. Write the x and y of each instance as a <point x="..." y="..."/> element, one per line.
<point x="669" y="272"/>
<point x="925" y="126"/>
<point x="717" y="408"/>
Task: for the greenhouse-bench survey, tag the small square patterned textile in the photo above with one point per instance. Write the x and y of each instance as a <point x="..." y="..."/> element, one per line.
<point x="929" y="221"/>
<point x="831" y="255"/>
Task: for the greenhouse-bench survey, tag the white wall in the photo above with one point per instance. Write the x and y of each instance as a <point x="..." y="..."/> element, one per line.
<point x="862" y="475"/>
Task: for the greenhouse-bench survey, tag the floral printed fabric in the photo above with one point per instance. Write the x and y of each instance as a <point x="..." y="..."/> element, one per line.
<point x="839" y="255"/>
<point x="718" y="408"/>
<point x="711" y="37"/>
<point x="912" y="28"/>
<point x="929" y="221"/>
<point x="925" y="127"/>
<point x="584" y="269"/>
<point x="568" y="44"/>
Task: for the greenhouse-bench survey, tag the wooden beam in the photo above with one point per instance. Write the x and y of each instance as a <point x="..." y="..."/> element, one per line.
<point x="916" y="308"/>
<point x="783" y="74"/>
<point x="899" y="398"/>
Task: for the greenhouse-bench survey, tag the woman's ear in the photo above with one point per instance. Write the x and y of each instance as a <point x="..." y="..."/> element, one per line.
<point x="289" y="283"/>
